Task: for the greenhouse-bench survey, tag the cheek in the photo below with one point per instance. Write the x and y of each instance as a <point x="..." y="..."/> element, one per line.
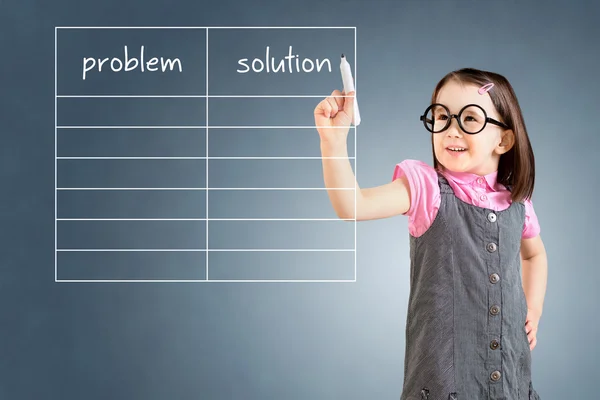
<point x="437" y="141"/>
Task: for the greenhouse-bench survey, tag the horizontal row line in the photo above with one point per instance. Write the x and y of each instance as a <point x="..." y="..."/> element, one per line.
<point x="203" y="280"/>
<point x="176" y="96"/>
<point x="204" y="158"/>
<point x="190" y="127"/>
<point x="204" y="27"/>
<point x="209" y="250"/>
<point x="208" y="219"/>
<point x="210" y="188"/>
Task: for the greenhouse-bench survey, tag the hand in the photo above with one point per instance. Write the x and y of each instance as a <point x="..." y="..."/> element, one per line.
<point x="531" y="327"/>
<point x="333" y="116"/>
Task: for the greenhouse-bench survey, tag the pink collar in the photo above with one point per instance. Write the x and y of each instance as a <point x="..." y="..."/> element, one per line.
<point x="467" y="178"/>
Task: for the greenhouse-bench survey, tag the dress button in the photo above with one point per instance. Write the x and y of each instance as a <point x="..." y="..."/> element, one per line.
<point x="491" y="247"/>
<point x="491" y="217"/>
<point x="479" y="180"/>
<point x="495" y="376"/>
<point x="494" y="278"/>
<point x="494" y="344"/>
<point x="483" y="197"/>
<point x="494" y="310"/>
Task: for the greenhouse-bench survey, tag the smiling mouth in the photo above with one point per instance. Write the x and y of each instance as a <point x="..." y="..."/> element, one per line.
<point x="456" y="149"/>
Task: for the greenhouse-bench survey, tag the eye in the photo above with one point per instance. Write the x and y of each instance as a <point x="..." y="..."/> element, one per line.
<point x="471" y="118"/>
<point x="441" y="117"/>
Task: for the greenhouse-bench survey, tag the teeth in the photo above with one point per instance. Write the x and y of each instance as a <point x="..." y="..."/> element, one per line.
<point x="457" y="148"/>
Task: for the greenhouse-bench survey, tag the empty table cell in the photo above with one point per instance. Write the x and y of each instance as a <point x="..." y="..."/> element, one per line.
<point x="133" y="112"/>
<point x="269" y="142"/>
<point x="132" y="142"/>
<point x="278" y="204"/>
<point x="131" y="235"/>
<point x="136" y="265"/>
<point x="260" y="173"/>
<point x="287" y="266"/>
<point x="131" y="204"/>
<point x="262" y="112"/>
<point x="282" y="235"/>
<point x="131" y="174"/>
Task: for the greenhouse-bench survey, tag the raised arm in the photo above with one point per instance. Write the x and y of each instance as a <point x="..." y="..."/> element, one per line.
<point x="332" y="117"/>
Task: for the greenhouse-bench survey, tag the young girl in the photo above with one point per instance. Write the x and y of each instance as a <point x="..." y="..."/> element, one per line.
<point x="478" y="265"/>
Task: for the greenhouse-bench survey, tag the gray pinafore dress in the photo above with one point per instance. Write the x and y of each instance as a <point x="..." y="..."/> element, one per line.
<point x="465" y="330"/>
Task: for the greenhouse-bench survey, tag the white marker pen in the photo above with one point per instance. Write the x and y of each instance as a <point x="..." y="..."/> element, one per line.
<point x="349" y="87"/>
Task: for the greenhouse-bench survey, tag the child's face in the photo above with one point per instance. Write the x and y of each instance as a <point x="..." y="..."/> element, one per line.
<point x="483" y="149"/>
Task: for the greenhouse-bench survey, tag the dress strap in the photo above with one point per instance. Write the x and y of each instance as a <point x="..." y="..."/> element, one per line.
<point x="444" y="185"/>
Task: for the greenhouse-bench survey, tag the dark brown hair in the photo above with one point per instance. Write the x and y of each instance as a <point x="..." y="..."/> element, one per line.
<point x="516" y="168"/>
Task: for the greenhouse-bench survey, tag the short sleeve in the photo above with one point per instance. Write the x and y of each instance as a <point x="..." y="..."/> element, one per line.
<point x="531" y="228"/>
<point x="424" y="194"/>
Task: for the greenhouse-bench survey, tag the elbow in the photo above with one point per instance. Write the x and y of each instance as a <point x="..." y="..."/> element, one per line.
<point x="349" y="208"/>
<point x="346" y="215"/>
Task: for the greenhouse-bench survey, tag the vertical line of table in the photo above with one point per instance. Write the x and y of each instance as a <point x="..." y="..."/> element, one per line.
<point x="206" y="133"/>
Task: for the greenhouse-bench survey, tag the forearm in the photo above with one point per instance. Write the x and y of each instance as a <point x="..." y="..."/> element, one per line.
<point x="535" y="276"/>
<point x="338" y="177"/>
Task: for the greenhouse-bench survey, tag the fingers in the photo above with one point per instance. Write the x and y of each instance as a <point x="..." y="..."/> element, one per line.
<point x="335" y="102"/>
<point x="533" y="343"/>
<point x="335" y="110"/>
<point x="531" y="334"/>
<point x="324" y="108"/>
<point x="530" y="327"/>
<point x="327" y="107"/>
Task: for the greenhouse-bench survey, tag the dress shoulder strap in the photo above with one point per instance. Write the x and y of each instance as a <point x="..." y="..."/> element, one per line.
<point x="443" y="183"/>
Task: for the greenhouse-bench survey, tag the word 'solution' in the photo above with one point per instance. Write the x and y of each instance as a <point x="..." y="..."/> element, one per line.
<point x="293" y="64"/>
<point x="130" y="64"/>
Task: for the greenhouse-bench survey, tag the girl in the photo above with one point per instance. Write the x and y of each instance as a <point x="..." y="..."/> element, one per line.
<point x="478" y="264"/>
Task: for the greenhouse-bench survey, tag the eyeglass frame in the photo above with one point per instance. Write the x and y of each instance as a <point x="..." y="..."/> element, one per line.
<point x="449" y="122"/>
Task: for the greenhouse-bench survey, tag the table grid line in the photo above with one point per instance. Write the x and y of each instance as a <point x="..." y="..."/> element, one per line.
<point x="205" y="219"/>
<point x="206" y="167"/>
<point x="193" y="127"/>
<point x="205" y="280"/>
<point x="176" y="96"/>
<point x="199" y="188"/>
<point x="207" y="250"/>
<point x="202" y="158"/>
<point x="208" y="27"/>
<point x="207" y="158"/>
<point x="55" y="154"/>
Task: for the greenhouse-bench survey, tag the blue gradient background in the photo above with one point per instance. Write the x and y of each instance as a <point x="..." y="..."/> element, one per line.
<point x="284" y="340"/>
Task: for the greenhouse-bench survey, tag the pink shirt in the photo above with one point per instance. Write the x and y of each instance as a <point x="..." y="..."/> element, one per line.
<point x="481" y="191"/>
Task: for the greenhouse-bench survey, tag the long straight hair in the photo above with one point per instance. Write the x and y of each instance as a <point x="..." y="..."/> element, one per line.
<point x="516" y="168"/>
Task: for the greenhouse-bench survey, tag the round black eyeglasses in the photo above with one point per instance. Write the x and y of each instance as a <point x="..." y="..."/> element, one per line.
<point x="472" y="119"/>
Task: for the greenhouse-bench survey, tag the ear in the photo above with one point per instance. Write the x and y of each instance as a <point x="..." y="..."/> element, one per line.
<point x="507" y="141"/>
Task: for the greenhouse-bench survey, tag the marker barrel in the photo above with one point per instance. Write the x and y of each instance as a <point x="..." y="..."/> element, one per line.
<point x="349" y="87"/>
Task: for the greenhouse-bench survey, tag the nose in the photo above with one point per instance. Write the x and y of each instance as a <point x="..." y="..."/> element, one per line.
<point x="454" y="129"/>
